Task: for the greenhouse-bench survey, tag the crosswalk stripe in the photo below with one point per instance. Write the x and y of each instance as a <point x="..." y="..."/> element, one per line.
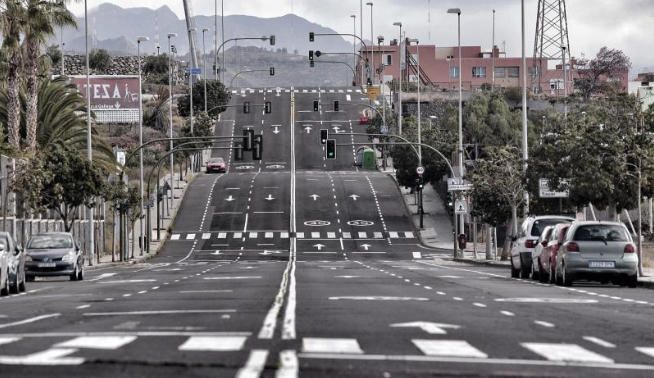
<point x="565" y="352"/>
<point x="331" y="235"/>
<point x="300" y="235"/>
<point x="409" y="234"/>
<point x="417" y="255"/>
<point x="253" y="235"/>
<point x="222" y="235"/>
<point x="174" y="237"/>
<point x="646" y="350"/>
<point x="190" y="237"/>
<point x="269" y="235"/>
<point x="448" y="348"/>
<point x="393" y="235"/>
<point x="97" y="342"/>
<point x="378" y="235"/>
<point x="325" y="345"/>
<point x="214" y="343"/>
<point x="363" y="235"/>
<point x="206" y="236"/>
<point x="284" y="235"/>
<point x="347" y="235"/>
<point x="315" y="235"/>
<point x="238" y="235"/>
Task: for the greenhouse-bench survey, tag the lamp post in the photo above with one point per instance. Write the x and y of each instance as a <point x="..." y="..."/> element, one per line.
<point x="138" y="49"/>
<point x="354" y="42"/>
<point x="372" y="47"/>
<point x="204" y="68"/>
<point x="458" y="224"/>
<point x="380" y="40"/>
<point x="420" y="209"/>
<point x="525" y="146"/>
<point x="170" y="113"/>
<point x="399" y="63"/>
<point x="89" y="144"/>
<point x="190" y="85"/>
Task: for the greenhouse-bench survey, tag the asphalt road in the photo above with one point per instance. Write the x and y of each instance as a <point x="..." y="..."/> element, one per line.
<point x="301" y="266"/>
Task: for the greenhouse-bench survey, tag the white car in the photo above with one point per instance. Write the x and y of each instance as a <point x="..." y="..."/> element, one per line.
<point x="523" y="244"/>
<point x="538" y="250"/>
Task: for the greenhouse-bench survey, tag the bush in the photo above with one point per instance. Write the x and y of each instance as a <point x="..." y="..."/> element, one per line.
<point x="99" y="60"/>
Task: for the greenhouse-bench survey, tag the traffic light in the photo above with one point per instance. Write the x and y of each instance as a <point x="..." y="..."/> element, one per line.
<point x="331" y="148"/>
<point x="257" y="147"/>
<point x="315" y="105"/>
<point x="248" y="135"/>
<point x="268" y="107"/>
<point x="336" y="106"/>
<point x="311" y="36"/>
<point x="246" y="107"/>
<point x="272" y="71"/>
<point x="272" y="40"/>
<point x="238" y="152"/>
<point x="420" y="183"/>
<point x="324" y="135"/>
<point x="310" y="55"/>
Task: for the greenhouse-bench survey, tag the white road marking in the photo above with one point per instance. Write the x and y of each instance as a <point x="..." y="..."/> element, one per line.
<point x="232" y="278"/>
<point x="449" y="348"/>
<point x="378" y="298"/>
<point x="80" y="307"/>
<point x="544" y="324"/>
<point x="288" y="365"/>
<point x="598" y="341"/>
<point x="49" y="357"/>
<point x="7" y="340"/>
<point x="254" y="365"/>
<point x="29" y="320"/>
<point x="154" y="312"/>
<point x="214" y="343"/>
<point x="507" y="313"/>
<point x="206" y="236"/>
<point x="646" y="350"/>
<point x="128" y="281"/>
<point x="417" y="255"/>
<point x="97" y="342"/>
<point x="547" y="300"/>
<point x="429" y="327"/>
<point x="325" y="345"/>
<point x="174" y="237"/>
<point x="205" y="291"/>
<point x="566" y="352"/>
<point x="190" y="237"/>
<point x="103" y="275"/>
<point x="479" y="305"/>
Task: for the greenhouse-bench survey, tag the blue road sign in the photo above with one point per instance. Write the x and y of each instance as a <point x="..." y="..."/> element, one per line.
<point x="194" y="70"/>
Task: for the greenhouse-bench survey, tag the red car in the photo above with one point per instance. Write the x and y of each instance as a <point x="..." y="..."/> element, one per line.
<point x="547" y="259"/>
<point x="364" y="120"/>
<point x="216" y="165"/>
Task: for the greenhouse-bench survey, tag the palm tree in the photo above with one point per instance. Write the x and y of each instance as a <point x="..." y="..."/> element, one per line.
<point x="12" y="19"/>
<point x="42" y="17"/>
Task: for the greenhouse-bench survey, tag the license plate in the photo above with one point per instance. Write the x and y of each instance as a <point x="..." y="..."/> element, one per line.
<point x="601" y="264"/>
<point x="47" y="265"/>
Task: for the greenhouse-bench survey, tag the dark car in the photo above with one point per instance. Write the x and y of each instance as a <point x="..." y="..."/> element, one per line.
<point x="54" y="254"/>
<point x="216" y="165"/>
<point x="15" y="263"/>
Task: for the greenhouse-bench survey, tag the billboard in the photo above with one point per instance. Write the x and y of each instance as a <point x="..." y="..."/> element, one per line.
<point x="114" y="99"/>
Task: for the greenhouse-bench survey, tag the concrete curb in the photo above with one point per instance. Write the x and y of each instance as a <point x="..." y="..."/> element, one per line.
<point x="493" y="263"/>
<point x="649" y="284"/>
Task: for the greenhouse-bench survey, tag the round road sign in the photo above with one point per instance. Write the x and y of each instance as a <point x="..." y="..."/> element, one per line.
<point x="420" y="170"/>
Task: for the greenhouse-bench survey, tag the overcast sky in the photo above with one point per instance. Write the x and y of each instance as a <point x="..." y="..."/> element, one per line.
<point x="623" y="24"/>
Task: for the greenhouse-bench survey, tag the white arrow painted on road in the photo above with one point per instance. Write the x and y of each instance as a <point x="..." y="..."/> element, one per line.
<point x="276" y="130"/>
<point x="366" y="246"/>
<point x="217" y="253"/>
<point x="429" y="327"/>
<point x="269" y="198"/>
<point x="229" y="199"/>
<point x="307" y="130"/>
<point x="319" y="246"/>
<point x="266" y="253"/>
<point x="354" y="197"/>
<point x="315" y="197"/>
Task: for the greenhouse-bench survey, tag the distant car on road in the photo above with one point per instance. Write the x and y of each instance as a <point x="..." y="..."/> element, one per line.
<point x="216" y="165"/>
<point x="54" y="254"/>
<point x="524" y="243"/>
<point x="551" y="250"/>
<point x="597" y="251"/>
<point x="364" y="120"/>
<point x="4" y="270"/>
<point x="16" y="264"/>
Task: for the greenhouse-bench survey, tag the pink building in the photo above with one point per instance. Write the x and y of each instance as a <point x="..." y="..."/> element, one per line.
<point x="439" y="68"/>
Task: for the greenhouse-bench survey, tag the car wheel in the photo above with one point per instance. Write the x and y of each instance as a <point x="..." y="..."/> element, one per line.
<point x="557" y="277"/>
<point x="543" y="275"/>
<point x="5" y="290"/>
<point x="534" y="274"/>
<point x="73" y="276"/>
<point x="21" y="285"/>
<point x="13" y="288"/>
<point x="632" y="281"/>
<point x="514" y="272"/>
<point x="566" y="278"/>
<point x="80" y="274"/>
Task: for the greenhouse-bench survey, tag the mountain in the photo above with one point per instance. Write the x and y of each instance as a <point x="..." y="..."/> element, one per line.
<point x="116" y="29"/>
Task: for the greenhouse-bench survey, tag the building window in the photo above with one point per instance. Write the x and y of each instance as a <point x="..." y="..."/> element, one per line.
<point x="478" y="71"/>
<point x="454" y="72"/>
<point x="500" y="72"/>
<point x="513" y="71"/>
<point x="387" y="59"/>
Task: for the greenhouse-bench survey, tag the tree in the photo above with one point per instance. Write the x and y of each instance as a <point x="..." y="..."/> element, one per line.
<point x="594" y="75"/>
<point x="156" y="113"/>
<point x="54" y="53"/>
<point x="99" y="60"/>
<point x="217" y="98"/>
<point x="12" y="19"/>
<point x="499" y="183"/>
<point x="42" y="17"/>
<point x="156" y="69"/>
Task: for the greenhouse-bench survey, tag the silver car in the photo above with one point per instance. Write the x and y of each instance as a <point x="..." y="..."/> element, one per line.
<point x="597" y="251"/>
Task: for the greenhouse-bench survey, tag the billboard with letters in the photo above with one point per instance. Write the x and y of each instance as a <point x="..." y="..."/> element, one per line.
<point x="114" y="99"/>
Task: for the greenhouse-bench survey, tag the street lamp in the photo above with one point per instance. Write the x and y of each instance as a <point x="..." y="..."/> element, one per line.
<point x="89" y="144"/>
<point x="138" y="54"/>
<point x="380" y="40"/>
<point x="170" y="113"/>
<point x="399" y="63"/>
<point x="372" y="46"/>
<point x="525" y="145"/>
<point x="204" y="68"/>
<point x="459" y="227"/>
<point x="354" y="42"/>
<point x="414" y="40"/>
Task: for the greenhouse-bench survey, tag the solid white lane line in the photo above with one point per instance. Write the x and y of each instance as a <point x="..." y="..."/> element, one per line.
<point x="288" y="365"/>
<point x="328" y="345"/>
<point x="254" y="365"/>
<point x="544" y="323"/>
<point x="80" y="307"/>
<point x="507" y="313"/>
<point x="128" y="281"/>
<point x="288" y="327"/>
<point x="598" y="341"/>
<point x="566" y="352"/>
<point x="233" y="278"/>
<point x="205" y="291"/>
<point x="154" y="312"/>
<point x="448" y="348"/>
<point x="29" y="320"/>
<point x="214" y="343"/>
<point x="97" y="342"/>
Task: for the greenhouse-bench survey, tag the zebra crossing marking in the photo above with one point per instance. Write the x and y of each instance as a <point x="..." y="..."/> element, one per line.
<point x="566" y="353"/>
<point x="213" y="343"/>
<point x="448" y="348"/>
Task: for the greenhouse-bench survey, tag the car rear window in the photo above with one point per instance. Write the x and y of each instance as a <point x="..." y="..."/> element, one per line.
<point x="540" y="224"/>
<point x="601" y="232"/>
<point x="50" y="242"/>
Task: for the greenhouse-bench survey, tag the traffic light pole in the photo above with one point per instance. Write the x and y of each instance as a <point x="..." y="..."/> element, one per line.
<point x="343" y="35"/>
<point x="263" y="38"/>
<point x="242" y="72"/>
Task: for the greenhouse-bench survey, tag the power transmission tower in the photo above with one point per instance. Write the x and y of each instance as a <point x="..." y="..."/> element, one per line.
<point x="551" y="37"/>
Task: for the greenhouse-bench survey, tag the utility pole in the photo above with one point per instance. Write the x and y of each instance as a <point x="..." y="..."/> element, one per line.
<point x="525" y="146"/>
<point x="89" y="144"/>
<point x="493" y="54"/>
<point x="204" y="68"/>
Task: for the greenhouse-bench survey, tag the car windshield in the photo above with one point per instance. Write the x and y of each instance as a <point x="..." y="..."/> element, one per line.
<point x="217" y="161"/>
<point x="601" y="232"/>
<point x="50" y="242"/>
<point x="540" y="224"/>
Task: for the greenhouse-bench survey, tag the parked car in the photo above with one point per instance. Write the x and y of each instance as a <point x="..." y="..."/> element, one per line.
<point x="4" y="270"/>
<point x="524" y="243"/>
<point x="16" y="263"/>
<point x="535" y="257"/>
<point x="597" y="251"/>
<point x="54" y="254"/>
<point x="551" y="250"/>
<point x="216" y="165"/>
